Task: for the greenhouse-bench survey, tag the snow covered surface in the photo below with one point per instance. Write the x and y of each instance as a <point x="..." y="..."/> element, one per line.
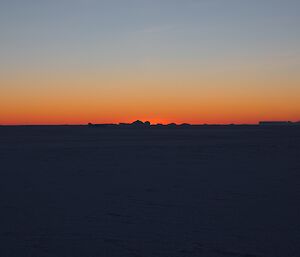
<point x="76" y="191"/>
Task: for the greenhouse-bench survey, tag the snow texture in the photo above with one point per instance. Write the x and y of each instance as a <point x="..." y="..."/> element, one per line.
<point x="77" y="191"/>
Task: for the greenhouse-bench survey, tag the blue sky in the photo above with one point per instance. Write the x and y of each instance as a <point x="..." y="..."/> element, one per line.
<point x="132" y="30"/>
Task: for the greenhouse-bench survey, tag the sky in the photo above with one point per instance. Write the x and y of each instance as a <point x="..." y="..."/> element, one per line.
<point x="110" y="61"/>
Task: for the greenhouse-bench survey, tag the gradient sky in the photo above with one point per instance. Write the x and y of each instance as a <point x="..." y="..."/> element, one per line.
<point x="196" y="61"/>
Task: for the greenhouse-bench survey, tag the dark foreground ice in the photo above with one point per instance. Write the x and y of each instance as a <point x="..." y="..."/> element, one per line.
<point x="94" y="192"/>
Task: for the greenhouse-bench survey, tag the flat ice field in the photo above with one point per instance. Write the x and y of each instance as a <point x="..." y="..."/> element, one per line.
<point x="77" y="191"/>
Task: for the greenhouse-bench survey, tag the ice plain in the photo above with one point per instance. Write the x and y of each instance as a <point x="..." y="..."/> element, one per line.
<point x="77" y="191"/>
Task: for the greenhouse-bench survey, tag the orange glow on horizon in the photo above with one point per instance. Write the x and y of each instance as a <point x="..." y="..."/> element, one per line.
<point x="167" y="98"/>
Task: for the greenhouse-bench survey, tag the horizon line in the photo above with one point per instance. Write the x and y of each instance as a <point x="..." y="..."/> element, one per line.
<point x="154" y="124"/>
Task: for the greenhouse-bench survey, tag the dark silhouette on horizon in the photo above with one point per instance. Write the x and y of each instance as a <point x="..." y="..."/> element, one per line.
<point x="147" y="124"/>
